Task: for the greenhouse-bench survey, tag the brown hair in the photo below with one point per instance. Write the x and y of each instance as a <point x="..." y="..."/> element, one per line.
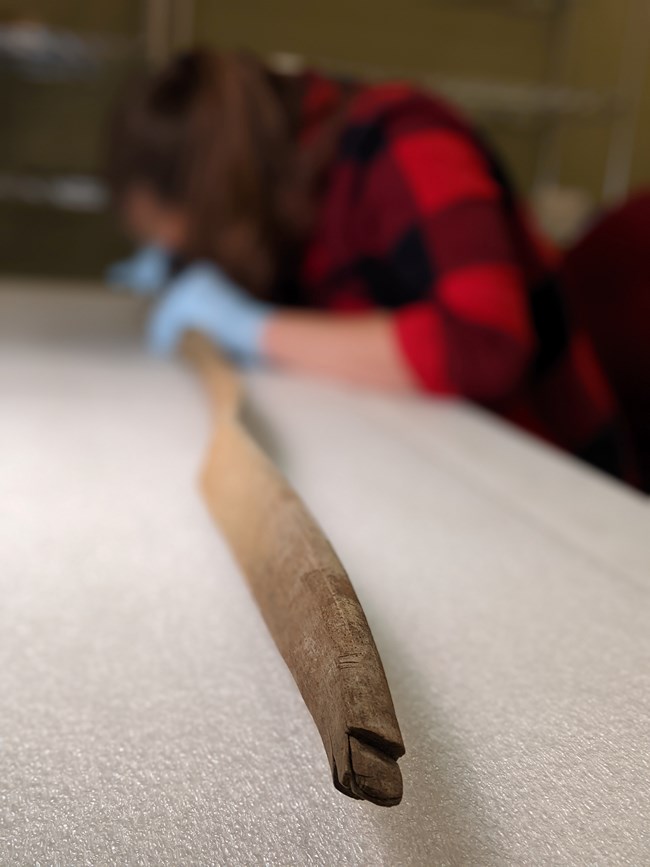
<point x="215" y="134"/>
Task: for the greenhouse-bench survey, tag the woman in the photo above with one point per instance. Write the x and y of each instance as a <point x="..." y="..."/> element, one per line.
<point x="360" y="232"/>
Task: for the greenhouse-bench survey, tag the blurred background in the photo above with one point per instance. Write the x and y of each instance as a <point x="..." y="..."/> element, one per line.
<point x="562" y="87"/>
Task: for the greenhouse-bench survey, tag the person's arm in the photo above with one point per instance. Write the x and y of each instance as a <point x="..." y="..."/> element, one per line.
<point x="358" y="348"/>
<point x="445" y="240"/>
<point x="441" y="231"/>
<point x="438" y="217"/>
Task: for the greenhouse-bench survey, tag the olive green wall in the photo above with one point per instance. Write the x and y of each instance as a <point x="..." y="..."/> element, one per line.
<point x="400" y="36"/>
<point x="117" y="16"/>
<point x="59" y="127"/>
<point x="599" y="35"/>
<point x="463" y="37"/>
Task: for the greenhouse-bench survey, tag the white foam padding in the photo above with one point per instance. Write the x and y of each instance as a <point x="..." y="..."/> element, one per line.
<point x="145" y="715"/>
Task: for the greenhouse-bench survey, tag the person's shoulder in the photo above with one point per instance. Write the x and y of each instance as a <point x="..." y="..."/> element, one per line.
<point x="381" y="115"/>
<point x="398" y="99"/>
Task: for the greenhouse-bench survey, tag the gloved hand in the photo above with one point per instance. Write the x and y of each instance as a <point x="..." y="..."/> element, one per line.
<point x="202" y="297"/>
<point x="145" y="273"/>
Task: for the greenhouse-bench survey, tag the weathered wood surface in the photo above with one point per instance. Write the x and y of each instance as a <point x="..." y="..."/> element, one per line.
<point x="304" y="595"/>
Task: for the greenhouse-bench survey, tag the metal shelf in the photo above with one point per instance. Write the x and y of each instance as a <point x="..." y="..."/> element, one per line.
<point x="524" y="104"/>
<point x="510" y="102"/>
<point x="35" y="52"/>
<point x="81" y="193"/>
<point x="534" y="7"/>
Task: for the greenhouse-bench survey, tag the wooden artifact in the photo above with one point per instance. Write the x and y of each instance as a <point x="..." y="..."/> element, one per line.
<point x="303" y="593"/>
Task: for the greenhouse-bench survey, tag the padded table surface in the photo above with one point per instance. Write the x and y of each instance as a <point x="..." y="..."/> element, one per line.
<point x="145" y="715"/>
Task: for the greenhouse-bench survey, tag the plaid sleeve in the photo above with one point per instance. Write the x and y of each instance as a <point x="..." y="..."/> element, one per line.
<point x="439" y="219"/>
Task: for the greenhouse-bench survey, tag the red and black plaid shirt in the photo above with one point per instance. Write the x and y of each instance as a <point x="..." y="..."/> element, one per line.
<point x="418" y="218"/>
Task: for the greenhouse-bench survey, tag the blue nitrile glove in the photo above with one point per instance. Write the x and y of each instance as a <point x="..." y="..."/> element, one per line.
<point x="144" y="273"/>
<point x="202" y="297"/>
